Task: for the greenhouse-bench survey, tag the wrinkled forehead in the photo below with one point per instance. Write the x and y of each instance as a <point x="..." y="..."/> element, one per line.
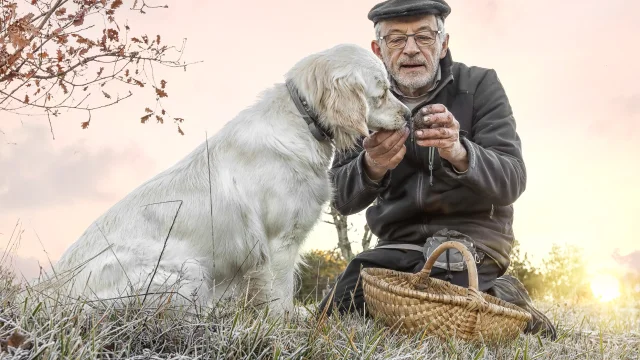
<point x="409" y="24"/>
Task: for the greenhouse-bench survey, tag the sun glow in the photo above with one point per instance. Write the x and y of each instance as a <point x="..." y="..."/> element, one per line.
<point x="605" y="287"/>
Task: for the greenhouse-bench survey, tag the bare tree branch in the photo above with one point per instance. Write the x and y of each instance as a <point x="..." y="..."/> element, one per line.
<point x="46" y="47"/>
<point x="50" y="125"/>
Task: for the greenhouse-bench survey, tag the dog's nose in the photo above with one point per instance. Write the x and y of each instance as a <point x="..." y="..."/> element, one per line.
<point x="407" y="115"/>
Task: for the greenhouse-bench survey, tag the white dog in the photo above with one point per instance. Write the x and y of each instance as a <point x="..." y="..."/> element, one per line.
<point x="241" y="224"/>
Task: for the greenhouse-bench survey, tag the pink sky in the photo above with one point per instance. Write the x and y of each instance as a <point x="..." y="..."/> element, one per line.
<point x="570" y="74"/>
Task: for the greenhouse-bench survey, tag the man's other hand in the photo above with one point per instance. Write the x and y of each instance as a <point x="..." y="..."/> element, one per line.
<point x="384" y="150"/>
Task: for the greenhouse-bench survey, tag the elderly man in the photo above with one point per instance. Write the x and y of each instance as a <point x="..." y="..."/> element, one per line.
<point x="452" y="174"/>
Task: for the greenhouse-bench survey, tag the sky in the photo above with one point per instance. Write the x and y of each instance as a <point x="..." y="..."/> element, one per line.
<point x="570" y="72"/>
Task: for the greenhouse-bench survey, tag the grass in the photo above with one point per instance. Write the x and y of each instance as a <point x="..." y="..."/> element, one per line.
<point x="49" y="325"/>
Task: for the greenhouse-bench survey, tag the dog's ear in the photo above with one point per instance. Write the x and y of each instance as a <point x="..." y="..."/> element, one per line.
<point x="344" y="104"/>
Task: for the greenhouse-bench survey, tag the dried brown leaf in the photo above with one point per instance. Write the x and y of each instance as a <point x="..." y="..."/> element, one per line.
<point x="83" y="40"/>
<point x="84" y="124"/>
<point x="106" y="95"/>
<point x="161" y="93"/>
<point x="18" y="340"/>
<point x="163" y="83"/>
<point x="112" y="34"/>
<point x="145" y="118"/>
<point x="78" y="18"/>
<point x="116" y="4"/>
<point x="148" y="110"/>
<point x="180" y="130"/>
<point x="160" y="119"/>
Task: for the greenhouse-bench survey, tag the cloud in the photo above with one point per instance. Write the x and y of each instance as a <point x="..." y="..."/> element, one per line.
<point x="632" y="259"/>
<point x="36" y="172"/>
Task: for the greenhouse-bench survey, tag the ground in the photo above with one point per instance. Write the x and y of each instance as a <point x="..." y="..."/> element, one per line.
<point x="35" y="324"/>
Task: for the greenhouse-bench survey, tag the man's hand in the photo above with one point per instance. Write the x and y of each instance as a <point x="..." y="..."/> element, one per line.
<point x="439" y="128"/>
<point x="384" y="151"/>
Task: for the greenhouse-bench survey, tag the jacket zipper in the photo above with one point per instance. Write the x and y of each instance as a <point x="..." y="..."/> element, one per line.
<point x="420" y="201"/>
<point x="419" y="194"/>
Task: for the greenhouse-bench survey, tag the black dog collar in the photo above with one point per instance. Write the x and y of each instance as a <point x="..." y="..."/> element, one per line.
<point x="310" y="117"/>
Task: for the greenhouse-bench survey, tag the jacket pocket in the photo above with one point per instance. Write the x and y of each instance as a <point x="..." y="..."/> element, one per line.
<point x="451" y="259"/>
<point x="502" y="217"/>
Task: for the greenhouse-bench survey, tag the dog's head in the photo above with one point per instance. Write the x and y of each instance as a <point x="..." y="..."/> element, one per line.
<point x="348" y="87"/>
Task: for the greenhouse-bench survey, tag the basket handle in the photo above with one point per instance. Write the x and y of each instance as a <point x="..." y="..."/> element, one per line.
<point x="468" y="259"/>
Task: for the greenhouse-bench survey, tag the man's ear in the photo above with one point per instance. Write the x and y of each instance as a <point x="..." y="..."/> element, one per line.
<point x="445" y="46"/>
<point x="375" y="47"/>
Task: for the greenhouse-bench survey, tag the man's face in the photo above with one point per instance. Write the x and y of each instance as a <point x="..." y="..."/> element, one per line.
<point x="413" y="67"/>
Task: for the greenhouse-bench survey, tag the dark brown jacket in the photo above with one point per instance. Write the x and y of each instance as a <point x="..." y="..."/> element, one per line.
<point x="478" y="203"/>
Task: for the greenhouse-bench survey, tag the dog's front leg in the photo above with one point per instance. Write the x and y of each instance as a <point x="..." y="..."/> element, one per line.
<point x="273" y="284"/>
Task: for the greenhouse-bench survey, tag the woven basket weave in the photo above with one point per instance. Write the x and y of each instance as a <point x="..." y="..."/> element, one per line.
<point x="417" y="303"/>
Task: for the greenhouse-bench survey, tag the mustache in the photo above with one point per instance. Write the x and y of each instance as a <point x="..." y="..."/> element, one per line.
<point x="412" y="62"/>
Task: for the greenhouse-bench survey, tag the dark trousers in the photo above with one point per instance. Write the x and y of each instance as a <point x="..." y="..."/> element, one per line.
<point x="348" y="295"/>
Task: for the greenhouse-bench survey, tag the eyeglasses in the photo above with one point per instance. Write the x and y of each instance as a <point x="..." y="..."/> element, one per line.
<point x="422" y="38"/>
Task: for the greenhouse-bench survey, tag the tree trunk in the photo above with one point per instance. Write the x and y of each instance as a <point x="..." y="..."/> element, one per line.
<point x="366" y="239"/>
<point x="340" y="222"/>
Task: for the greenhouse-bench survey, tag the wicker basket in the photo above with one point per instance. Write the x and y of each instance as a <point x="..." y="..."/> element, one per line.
<point x="417" y="303"/>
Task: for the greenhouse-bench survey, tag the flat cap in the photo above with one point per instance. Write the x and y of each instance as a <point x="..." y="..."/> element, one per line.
<point x="397" y="8"/>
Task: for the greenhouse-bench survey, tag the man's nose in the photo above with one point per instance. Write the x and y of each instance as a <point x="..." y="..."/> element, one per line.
<point x="411" y="48"/>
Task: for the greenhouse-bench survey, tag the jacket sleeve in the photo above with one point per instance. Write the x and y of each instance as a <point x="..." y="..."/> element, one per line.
<point x="353" y="190"/>
<point x="496" y="166"/>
